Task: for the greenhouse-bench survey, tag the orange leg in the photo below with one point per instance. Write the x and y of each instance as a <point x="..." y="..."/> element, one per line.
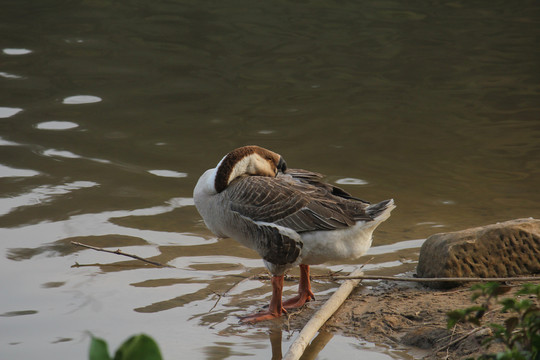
<point x="304" y="290"/>
<point x="275" y="309"/>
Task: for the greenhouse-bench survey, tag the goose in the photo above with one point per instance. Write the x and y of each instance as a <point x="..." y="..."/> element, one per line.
<point x="288" y="216"/>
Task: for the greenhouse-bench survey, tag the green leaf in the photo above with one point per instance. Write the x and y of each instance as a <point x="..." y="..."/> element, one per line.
<point x="521" y="331"/>
<point x="511" y="324"/>
<point x="480" y="290"/>
<point x="138" y="347"/>
<point x="508" y="304"/>
<point x="454" y="317"/>
<point x="498" y="330"/>
<point x="98" y="349"/>
<point x="465" y="315"/>
<point x="524" y="304"/>
<point x="530" y="289"/>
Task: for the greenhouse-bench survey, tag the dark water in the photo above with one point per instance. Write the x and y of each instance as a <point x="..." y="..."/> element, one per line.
<point x="110" y="110"/>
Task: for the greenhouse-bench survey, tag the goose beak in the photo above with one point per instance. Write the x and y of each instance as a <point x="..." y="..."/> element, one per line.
<point x="282" y="165"/>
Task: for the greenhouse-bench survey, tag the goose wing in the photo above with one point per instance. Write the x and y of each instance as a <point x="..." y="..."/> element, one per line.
<point x="297" y="200"/>
<point x="274" y="211"/>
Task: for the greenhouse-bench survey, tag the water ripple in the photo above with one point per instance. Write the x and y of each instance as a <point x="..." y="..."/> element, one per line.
<point x="13" y="51"/>
<point x="41" y="194"/>
<point x="61" y="153"/>
<point x="351" y="181"/>
<point x="9" y="76"/>
<point x="7" y="142"/>
<point x="6" y="171"/>
<point x="168" y="173"/>
<point x="56" y="125"/>
<point x="6" y="112"/>
<point x="81" y="99"/>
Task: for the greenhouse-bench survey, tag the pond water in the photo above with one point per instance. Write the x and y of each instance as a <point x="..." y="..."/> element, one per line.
<point x="111" y="110"/>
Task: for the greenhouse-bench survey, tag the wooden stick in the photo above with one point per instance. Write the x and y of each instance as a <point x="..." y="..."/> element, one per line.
<point x="412" y="279"/>
<point x="321" y="316"/>
<point x="450" y="279"/>
<point x="318" y="344"/>
<point x="119" y="252"/>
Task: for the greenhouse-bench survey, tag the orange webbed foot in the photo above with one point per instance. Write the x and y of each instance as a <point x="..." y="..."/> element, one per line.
<point x="299" y="300"/>
<point x="304" y="290"/>
<point x="262" y="316"/>
<point x="275" y="309"/>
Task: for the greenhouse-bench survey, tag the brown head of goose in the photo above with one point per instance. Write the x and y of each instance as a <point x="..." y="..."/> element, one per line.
<point x="289" y="216"/>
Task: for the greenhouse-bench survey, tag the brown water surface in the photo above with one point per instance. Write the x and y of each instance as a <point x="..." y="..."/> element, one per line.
<point x="111" y="110"/>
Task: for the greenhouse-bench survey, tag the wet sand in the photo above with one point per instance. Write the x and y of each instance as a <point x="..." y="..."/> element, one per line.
<point x="406" y="316"/>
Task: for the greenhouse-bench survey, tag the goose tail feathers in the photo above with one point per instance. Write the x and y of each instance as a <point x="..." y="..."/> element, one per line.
<point x="381" y="211"/>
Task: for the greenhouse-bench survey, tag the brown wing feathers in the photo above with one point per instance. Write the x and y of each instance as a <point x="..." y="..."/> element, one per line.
<point x="295" y="203"/>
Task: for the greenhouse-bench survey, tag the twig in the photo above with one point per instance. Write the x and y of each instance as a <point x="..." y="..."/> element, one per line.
<point x="451" y="336"/>
<point x="412" y="279"/>
<point x="448" y="292"/>
<point x="330" y="275"/>
<point x="77" y="265"/>
<point x="119" y="252"/>
<point x="451" y="279"/>
<point x="321" y="316"/>
<point x="219" y="298"/>
<point x="473" y="331"/>
<point x="266" y="276"/>
<point x="291" y="315"/>
<point x="226" y="292"/>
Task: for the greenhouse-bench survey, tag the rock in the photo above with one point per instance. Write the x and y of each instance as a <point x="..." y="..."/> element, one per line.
<point x="507" y="249"/>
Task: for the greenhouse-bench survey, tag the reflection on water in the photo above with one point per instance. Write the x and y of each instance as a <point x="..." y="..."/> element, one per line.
<point x="56" y="125"/>
<point x="81" y="99"/>
<point x="6" y="112"/>
<point x="168" y="173"/>
<point x="16" y="51"/>
<point x="6" y="171"/>
<point x="39" y="195"/>
<point x="19" y="313"/>
<point x="110" y="111"/>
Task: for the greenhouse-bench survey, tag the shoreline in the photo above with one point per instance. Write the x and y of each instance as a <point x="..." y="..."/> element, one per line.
<point x="409" y="317"/>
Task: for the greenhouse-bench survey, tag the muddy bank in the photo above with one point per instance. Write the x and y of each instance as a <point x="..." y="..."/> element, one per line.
<point x="406" y="316"/>
<point x="412" y="316"/>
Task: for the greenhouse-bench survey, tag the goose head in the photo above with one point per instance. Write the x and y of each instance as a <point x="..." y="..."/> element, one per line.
<point x="247" y="161"/>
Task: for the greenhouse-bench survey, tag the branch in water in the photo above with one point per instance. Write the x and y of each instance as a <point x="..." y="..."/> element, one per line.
<point x="410" y="279"/>
<point x="119" y="252"/>
<point x="452" y="279"/>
